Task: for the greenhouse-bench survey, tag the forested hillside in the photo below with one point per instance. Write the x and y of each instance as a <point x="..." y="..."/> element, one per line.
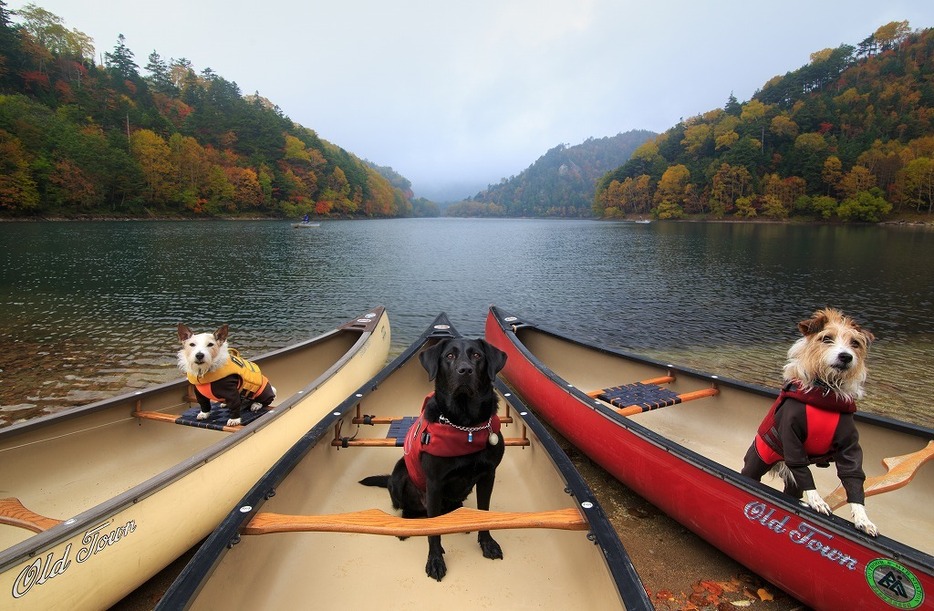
<point x="80" y="139"/>
<point x="560" y="183"/>
<point x="850" y="137"/>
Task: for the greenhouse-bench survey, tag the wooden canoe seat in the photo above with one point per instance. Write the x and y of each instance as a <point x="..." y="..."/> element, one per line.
<point x="638" y="397"/>
<point x="216" y="421"/>
<point x="900" y="470"/>
<point x="14" y="513"/>
<point x="395" y="437"/>
<point x="378" y="522"/>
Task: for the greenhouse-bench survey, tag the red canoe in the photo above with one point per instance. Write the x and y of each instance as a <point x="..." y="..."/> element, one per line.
<point x="685" y="458"/>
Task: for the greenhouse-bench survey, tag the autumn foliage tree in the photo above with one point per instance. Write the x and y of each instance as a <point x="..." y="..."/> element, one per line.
<point x="849" y="136"/>
<point x="79" y="138"/>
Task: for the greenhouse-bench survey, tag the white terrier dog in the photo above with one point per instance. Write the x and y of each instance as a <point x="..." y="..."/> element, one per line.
<point x="824" y="376"/>
<point x="219" y="373"/>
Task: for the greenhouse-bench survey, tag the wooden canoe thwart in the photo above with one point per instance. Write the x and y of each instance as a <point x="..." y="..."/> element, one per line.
<point x="378" y="522"/>
<point x="95" y="490"/>
<point x="678" y="437"/>
<point x="542" y="538"/>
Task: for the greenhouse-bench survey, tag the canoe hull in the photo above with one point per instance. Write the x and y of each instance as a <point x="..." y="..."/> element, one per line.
<point x="196" y="475"/>
<point x="286" y="570"/>
<point x="821" y="561"/>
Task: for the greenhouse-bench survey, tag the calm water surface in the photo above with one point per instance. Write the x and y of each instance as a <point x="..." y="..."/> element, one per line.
<point x="89" y="309"/>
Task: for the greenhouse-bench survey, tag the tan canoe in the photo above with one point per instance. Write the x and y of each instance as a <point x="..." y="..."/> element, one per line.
<point x="308" y="535"/>
<point x="97" y="499"/>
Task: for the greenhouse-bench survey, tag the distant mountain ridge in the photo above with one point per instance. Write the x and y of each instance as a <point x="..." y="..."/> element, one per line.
<point x="560" y="183"/>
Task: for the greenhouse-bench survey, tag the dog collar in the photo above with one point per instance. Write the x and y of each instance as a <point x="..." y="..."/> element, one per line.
<point x="470" y="430"/>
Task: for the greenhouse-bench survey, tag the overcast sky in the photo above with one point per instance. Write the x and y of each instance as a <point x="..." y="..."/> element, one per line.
<point x="458" y="95"/>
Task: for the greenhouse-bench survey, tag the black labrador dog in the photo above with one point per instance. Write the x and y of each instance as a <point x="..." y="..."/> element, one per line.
<point x="454" y="445"/>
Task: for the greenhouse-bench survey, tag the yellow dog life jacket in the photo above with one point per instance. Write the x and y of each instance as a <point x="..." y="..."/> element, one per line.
<point x="252" y="380"/>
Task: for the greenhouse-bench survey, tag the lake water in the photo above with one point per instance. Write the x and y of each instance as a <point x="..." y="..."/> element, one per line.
<point x="88" y="310"/>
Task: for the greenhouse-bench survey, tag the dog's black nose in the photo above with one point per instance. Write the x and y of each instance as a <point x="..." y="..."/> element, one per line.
<point x="199" y="356"/>
<point x="465" y="369"/>
<point x="845" y="358"/>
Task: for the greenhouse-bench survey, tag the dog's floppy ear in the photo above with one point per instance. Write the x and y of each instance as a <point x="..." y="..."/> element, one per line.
<point x="495" y="359"/>
<point x="430" y="357"/>
<point x="814" y="324"/>
<point x="866" y="333"/>
<point x="184" y="332"/>
<point x="221" y="334"/>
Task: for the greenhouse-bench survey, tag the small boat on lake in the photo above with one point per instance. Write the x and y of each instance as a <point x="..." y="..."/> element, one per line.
<point x="304" y="225"/>
<point x="97" y="499"/>
<point x="677" y="437"/>
<point x="308" y="534"/>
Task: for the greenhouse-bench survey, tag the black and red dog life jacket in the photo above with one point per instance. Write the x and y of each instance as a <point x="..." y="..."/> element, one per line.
<point x="823" y="411"/>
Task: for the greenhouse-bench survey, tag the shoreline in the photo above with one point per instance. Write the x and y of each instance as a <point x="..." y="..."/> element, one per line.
<point x="909" y="220"/>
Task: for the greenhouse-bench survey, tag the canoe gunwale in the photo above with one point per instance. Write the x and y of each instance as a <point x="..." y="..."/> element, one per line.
<point x="192" y="578"/>
<point x="881" y="544"/>
<point x="74" y="525"/>
<point x="602" y="532"/>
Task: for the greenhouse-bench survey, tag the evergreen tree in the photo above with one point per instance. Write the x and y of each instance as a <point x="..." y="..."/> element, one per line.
<point x="160" y="77"/>
<point x="121" y="63"/>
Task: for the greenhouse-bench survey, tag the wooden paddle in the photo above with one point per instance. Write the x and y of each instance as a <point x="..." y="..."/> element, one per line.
<point x="899" y="471"/>
<point x="378" y="522"/>
<point x="14" y="513"/>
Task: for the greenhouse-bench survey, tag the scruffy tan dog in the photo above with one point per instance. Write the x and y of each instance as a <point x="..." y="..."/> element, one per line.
<point x="812" y="422"/>
<point x="220" y="374"/>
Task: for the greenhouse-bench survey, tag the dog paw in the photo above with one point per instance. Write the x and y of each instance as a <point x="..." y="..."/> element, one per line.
<point x="491" y="548"/>
<point x="815" y="502"/>
<point x="436" y="569"/>
<point x="203" y="415"/>
<point x="233" y="422"/>
<point x="861" y="520"/>
<point x="255" y="407"/>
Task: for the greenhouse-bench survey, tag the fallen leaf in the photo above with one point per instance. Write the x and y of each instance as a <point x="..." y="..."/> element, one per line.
<point x="664" y="595"/>
<point x="730" y="586"/>
<point x="741" y="603"/>
<point x="765" y="594"/>
<point x="698" y="599"/>
<point x="713" y="587"/>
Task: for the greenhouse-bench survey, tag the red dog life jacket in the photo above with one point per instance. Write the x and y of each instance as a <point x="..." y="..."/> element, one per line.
<point x="440" y="439"/>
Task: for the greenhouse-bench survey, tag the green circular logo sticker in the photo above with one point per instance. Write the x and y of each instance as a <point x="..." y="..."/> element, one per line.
<point x="894" y="584"/>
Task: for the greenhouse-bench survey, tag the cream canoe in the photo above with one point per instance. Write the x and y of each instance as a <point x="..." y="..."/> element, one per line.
<point x="308" y="535"/>
<point x="97" y="499"/>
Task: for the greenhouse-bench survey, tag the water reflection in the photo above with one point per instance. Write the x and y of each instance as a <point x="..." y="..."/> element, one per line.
<point x="89" y="309"/>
